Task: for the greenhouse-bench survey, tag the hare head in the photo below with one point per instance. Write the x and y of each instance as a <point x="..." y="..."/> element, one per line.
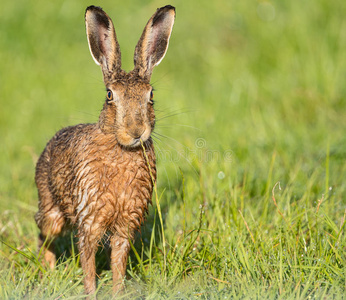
<point x="128" y="111"/>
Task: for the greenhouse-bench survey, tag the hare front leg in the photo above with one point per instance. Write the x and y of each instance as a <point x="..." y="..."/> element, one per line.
<point x="120" y="252"/>
<point x="87" y="250"/>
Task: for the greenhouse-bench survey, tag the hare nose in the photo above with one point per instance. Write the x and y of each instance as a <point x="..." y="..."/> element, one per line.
<point x="138" y="133"/>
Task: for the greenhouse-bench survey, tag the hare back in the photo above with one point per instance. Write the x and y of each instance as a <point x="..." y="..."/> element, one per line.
<point x="98" y="185"/>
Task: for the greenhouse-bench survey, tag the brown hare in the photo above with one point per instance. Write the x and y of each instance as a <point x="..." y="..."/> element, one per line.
<point x="96" y="177"/>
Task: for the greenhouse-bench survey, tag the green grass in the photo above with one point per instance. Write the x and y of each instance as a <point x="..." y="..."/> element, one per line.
<point x="250" y="93"/>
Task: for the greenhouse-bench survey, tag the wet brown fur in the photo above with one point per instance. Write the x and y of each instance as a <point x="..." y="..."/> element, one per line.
<point x="95" y="177"/>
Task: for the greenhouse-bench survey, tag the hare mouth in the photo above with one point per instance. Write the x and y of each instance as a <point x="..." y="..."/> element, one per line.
<point x="135" y="143"/>
<point x="129" y="141"/>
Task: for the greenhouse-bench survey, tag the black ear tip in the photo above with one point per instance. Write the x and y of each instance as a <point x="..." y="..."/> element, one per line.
<point x="93" y="7"/>
<point x="170" y="7"/>
<point x="162" y="12"/>
<point x="166" y="8"/>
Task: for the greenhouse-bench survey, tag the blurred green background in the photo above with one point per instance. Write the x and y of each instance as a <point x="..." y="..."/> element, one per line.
<point x="250" y="93"/>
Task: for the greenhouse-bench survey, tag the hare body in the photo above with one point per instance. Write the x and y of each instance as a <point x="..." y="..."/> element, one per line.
<point x="85" y="179"/>
<point x="96" y="177"/>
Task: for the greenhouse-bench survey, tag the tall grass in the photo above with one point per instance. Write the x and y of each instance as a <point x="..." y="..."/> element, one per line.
<point x="250" y="141"/>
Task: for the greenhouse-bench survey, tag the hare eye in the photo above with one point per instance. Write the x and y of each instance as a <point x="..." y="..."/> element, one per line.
<point x="109" y="95"/>
<point x="151" y="100"/>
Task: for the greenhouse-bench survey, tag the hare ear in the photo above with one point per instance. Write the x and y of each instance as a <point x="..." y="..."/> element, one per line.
<point x="102" y="40"/>
<point x="153" y="44"/>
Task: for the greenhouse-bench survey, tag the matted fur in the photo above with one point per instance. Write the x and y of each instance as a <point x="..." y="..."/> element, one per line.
<point x="95" y="177"/>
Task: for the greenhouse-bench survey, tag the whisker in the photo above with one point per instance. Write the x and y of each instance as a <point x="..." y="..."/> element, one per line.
<point x="187" y="160"/>
<point x="173" y="125"/>
<point x="171" y="115"/>
<point x="167" y="137"/>
<point x="165" y="169"/>
<point x="87" y="113"/>
<point x="184" y="157"/>
<point x="176" y="111"/>
<point x="174" y="164"/>
<point x="156" y="139"/>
